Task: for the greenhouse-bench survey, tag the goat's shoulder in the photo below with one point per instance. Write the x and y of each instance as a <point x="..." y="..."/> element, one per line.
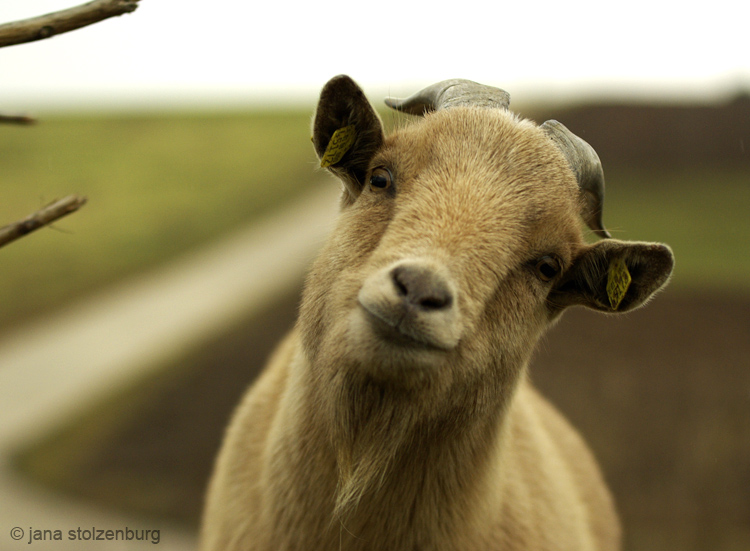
<point x="556" y="467"/>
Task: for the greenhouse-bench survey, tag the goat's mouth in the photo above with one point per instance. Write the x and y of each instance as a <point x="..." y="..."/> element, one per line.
<point x="404" y="331"/>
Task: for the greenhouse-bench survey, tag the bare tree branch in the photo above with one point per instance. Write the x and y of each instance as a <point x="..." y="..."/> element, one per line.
<point x="41" y="218"/>
<point x="45" y="26"/>
<point x="16" y="119"/>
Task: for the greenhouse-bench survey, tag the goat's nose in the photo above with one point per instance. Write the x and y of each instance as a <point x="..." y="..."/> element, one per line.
<point x="421" y="287"/>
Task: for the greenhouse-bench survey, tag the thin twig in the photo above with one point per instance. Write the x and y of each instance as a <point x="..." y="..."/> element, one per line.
<point x="45" y="26"/>
<point x="41" y="218"/>
<point x="16" y="119"/>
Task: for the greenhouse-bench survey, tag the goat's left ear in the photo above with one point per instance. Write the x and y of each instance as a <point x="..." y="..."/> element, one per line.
<point x="347" y="132"/>
<point x="614" y="276"/>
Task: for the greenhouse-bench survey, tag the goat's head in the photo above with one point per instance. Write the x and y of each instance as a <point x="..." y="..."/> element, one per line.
<point x="460" y="237"/>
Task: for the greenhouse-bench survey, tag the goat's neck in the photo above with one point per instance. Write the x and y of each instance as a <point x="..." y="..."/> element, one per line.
<point x="394" y="459"/>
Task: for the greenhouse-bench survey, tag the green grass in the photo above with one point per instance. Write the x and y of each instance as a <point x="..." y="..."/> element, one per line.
<point x="157" y="187"/>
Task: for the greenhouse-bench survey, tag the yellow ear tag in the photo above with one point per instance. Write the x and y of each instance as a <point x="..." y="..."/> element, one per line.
<point x="618" y="281"/>
<point x="341" y="141"/>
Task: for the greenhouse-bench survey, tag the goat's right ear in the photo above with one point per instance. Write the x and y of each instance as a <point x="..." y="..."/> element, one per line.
<point x="347" y="132"/>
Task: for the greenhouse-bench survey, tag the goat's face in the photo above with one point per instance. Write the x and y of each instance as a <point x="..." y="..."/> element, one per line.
<point x="459" y="242"/>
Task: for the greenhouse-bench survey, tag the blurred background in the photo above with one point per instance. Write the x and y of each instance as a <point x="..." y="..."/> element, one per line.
<point x="186" y="123"/>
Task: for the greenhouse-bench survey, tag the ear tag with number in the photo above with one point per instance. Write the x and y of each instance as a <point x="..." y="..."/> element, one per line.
<point x="618" y="281"/>
<point x="341" y="141"/>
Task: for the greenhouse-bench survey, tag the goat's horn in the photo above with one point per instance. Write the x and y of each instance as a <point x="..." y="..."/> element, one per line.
<point x="588" y="170"/>
<point x="451" y="93"/>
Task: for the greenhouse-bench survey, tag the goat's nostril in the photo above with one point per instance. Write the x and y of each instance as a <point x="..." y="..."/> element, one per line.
<point x="421" y="287"/>
<point x="399" y="280"/>
<point x="436" y="302"/>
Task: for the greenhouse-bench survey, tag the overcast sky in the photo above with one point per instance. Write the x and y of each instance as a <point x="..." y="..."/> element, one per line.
<point x="169" y="52"/>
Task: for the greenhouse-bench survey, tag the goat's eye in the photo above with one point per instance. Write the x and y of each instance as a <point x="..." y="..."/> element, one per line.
<point x="547" y="268"/>
<point x="381" y="178"/>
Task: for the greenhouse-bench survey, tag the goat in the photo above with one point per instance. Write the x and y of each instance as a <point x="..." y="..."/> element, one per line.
<point x="397" y="414"/>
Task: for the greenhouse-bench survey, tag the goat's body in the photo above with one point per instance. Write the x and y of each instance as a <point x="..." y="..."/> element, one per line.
<point x="398" y="415"/>
<point x="533" y="485"/>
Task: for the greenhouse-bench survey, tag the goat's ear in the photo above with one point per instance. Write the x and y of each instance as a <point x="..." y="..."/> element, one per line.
<point x="347" y="132"/>
<point x="614" y="276"/>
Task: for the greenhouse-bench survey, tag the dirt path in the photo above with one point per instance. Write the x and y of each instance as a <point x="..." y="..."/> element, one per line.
<point x="58" y="366"/>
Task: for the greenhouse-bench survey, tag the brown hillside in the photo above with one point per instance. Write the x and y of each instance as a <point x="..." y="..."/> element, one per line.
<point x="663" y="135"/>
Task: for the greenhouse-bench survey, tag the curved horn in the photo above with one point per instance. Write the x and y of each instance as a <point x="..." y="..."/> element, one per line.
<point x="588" y="170"/>
<point x="451" y="93"/>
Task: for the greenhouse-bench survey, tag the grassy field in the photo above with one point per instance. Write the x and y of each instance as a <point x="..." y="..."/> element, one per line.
<point x="702" y="213"/>
<point x="157" y="186"/>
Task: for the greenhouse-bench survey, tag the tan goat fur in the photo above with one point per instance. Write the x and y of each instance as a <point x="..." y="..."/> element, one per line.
<point x="360" y="436"/>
